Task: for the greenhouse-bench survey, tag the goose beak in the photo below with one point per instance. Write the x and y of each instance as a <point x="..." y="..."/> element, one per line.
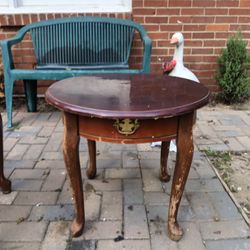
<point x="174" y="40"/>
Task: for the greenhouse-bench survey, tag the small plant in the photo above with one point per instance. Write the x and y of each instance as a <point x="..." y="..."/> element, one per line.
<point x="222" y="162"/>
<point x="220" y="159"/>
<point x="232" y="72"/>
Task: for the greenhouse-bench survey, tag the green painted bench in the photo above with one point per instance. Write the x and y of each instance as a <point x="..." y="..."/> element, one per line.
<point x="70" y="47"/>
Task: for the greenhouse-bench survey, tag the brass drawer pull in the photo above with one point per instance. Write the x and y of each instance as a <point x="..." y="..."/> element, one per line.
<point x="126" y="126"/>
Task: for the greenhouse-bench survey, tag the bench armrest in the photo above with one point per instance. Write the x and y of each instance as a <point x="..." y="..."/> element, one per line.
<point x="7" y="58"/>
<point x="6" y="44"/>
<point x="147" y="43"/>
<point x="147" y="53"/>
<point x="11" y="41"/>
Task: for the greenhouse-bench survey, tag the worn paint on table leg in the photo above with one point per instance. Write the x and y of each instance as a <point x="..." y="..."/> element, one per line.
<point x="72" y="162"/>
<point x="185" y="150"/>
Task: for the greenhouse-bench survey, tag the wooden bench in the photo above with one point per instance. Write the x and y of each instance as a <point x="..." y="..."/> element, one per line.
<point x="69" y="47"/>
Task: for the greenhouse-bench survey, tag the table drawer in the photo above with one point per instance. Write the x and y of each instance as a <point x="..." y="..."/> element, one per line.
<point x="128" y="130"/>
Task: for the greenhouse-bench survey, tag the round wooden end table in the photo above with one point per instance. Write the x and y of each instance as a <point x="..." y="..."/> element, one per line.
<point x="127" y="108"/>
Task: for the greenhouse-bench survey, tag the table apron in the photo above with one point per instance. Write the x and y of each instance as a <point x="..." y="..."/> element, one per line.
<point x="148" y="130"/>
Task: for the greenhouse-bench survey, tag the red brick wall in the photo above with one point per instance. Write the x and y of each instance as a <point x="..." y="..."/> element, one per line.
<point x="206" y="25"/>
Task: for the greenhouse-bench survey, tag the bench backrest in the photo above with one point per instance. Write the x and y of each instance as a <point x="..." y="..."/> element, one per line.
<point x="83" y="40"/>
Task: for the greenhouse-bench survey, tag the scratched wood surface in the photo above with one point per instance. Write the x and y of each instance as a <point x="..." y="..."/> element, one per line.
<point x="138" y="96"/>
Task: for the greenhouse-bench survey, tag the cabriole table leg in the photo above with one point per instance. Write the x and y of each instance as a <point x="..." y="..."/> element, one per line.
<point x="164" y="176"/>
<point x="5" y="185"/>
<point x="72" y="162"/>
<point x="185" y="150"/>
<point x="91" y="172"/>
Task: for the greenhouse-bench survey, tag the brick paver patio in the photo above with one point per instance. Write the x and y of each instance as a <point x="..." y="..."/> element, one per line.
<point x="126" y="205"/>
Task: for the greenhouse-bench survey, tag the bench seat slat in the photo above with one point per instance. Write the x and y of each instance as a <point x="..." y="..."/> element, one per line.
<point x="83" y="67"/>
<point x="32" y="74"/>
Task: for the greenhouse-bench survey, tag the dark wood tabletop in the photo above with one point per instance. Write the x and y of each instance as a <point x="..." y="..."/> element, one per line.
<point x="139" y="96"/>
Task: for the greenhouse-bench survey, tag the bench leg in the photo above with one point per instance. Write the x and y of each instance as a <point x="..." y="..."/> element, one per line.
<point x="184" y="158"/>
<point x="91" y="172"/>
<point x="8" y="87"/>
<point x="164" y="176"/>
<point x="5" y="184"/>
<point x="72" y="162"/>
<point x="30" y="88"/>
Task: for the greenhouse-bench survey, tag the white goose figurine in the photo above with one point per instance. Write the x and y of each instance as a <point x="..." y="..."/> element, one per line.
<point x="179" y="69"/>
